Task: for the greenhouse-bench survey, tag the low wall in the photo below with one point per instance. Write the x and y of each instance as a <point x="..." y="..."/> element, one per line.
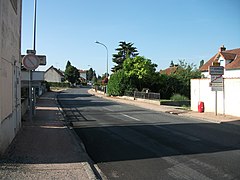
<point x="228" y="101"/>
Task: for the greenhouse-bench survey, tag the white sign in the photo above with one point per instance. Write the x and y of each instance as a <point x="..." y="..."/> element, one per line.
<point x="216" y="79"/>
<point x="30" y="61"/>
<point x="216" y="70"/>
<point x="217" y="86"/>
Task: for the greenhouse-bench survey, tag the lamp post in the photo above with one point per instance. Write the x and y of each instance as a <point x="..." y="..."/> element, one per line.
<point x="107" y="58"/>
<point x="107" y="54"/>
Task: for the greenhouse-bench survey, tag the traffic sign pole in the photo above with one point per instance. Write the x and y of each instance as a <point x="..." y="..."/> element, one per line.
<point x="217" y="83"/>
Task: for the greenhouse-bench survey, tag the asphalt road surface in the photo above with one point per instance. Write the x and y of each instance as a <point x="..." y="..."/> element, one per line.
<point x="128" y="142"/>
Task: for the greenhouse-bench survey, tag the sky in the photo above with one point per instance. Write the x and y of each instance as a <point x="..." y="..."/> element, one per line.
<point x="161" y="30"/>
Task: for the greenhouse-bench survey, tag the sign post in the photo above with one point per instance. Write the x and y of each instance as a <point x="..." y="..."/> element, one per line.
<point x="216" y="71"/>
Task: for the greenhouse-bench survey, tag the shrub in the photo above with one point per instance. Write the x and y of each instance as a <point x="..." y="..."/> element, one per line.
<point x="179" y="97"/>
<point x="58" y="84"/>
<point x="116" y="84"/>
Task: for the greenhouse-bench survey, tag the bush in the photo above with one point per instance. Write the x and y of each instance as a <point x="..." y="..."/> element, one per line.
<point x="58" y="84"/>
<point x="116" y="84"/>
<point x="179" y="97"/>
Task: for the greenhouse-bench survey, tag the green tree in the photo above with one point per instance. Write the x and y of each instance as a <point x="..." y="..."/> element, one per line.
<point x="90" y="74"/>
<point x="72" y="74"/>
<point x="117" y="83"/>
<point x="139" y="69"/>
<point x="201" y="63"/>
<point x="184" y="73"/>
<point x="124" y="51"/>
<point x="68" y="64"/>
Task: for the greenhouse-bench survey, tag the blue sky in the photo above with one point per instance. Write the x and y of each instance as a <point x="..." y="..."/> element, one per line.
<point x="162" y="31"/>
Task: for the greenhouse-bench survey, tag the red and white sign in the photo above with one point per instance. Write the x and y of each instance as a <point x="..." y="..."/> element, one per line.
<point x="30" y="61"/>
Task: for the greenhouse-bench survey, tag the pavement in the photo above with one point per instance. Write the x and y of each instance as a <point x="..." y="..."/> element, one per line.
<point x="45" y="148"/>
<point x="152" y="105"/>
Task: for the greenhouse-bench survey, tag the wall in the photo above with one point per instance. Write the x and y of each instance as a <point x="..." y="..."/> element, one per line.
<point x="52" y="76"/>
<point x="227" y="73"/>
<point x="10" y="69"/>
<point x="200" y="91"/>
<point x="36" y="76"/>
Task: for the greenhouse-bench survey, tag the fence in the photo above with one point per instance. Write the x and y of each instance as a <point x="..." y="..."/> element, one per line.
<point x="143" y="95"/>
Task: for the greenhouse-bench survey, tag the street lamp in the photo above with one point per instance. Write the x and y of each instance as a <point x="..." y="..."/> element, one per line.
<point x="107" y="60"/>
<point x="107" y="54"/>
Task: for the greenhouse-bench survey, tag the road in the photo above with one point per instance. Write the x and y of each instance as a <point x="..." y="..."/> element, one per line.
<point x="128" y="142"/>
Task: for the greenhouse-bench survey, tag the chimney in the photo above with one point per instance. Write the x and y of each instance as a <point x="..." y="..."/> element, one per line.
<point x="221" y="49"/>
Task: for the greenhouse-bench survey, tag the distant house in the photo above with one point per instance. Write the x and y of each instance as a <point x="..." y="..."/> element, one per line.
<point x="229" y="59"/>
<point x="53" y="74"/>
<point x="170" y="70"/>
<point x="83" y="75"/>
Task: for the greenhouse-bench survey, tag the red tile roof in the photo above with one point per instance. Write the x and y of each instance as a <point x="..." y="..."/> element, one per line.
<point x="170" y="70"/>
<point x="233" y="55"/>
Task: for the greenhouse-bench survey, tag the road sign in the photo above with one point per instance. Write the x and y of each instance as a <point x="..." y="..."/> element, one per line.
<point x="216" y="70"/>
<point x="30" y="61"/>
<point x="42" y="59"/>
<point x="216" y="79"/>
<point x="217" y="88"/>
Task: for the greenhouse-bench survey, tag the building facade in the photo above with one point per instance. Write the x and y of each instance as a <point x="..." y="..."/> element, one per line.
<point x="53" y="74"/>
<point x="224" y="101"/>
<point x="229" y="59"/>
<point x="10" y="69"/>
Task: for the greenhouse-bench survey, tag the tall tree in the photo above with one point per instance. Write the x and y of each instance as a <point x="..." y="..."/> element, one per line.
<point x="71" y="73"/>
<point x="124" y="51"/>
<point x="201" y="63"/>
<point x="68" y="64"/>
<point x="90" y="74"/>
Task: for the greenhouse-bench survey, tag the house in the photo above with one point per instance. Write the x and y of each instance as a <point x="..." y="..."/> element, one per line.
<point x="53" y="74"/>
<point x="225" y="100"/>
<point x="10" y="71"/>
<point x="170" y="70"/>
<point x="83" y="75"/>
<point x="229" y="59"/>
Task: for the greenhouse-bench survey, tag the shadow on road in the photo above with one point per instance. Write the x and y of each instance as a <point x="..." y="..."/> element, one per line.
<point x="135" y="142"/>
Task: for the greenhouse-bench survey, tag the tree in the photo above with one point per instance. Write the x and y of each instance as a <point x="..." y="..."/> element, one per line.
<point x="117" y="83"/>
<point x="125" y="50"/>
<point x="90" y="74"/>
<point x="71" y="73"/>
<point x="68" y="64"/>
<point x="201" y="63"/>
<point x="139" y="69"/>
<point x="184" y="73"/>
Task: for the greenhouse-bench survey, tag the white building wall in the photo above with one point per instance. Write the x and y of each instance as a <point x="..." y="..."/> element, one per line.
<point x="200" y="91"/>
<point x="233" y="73"/>
<point x="10" y="85"/>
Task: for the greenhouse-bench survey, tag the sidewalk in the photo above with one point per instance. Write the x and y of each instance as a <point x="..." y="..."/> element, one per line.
<point x="46" y="149"/>
<point x="206" y="116"/>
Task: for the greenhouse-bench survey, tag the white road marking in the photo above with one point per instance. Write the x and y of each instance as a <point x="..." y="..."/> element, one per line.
<point x="130" y="117"/>
<point x="108" y="109"/>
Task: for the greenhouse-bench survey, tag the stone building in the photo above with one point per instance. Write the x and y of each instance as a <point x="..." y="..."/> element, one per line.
<point x="10" y="69"/>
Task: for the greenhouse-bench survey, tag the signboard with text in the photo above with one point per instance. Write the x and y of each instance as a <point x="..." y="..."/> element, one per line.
<point x="216" y="70"/>
<point x="216" y="73"/>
